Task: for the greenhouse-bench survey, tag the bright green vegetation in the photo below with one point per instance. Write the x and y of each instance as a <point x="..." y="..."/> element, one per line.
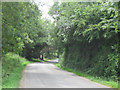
<point x="13" y="80"/>
<point x="12" y="68"/>
<point x="38" y="60"/>
<point x="86" y="36"/>
<point x="109" y="83"/>
<point x="24" y="34"/>
<point x="23" y="30"/>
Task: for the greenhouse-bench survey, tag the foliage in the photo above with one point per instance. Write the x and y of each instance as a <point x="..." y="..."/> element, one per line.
<point x="13" y="65"/>
<point x="14" y="78"/>
<point x="87" y="35"/>
<point x="10" y="62"/>
<point x="83" y="35"/>
<point x="23" y="29"/>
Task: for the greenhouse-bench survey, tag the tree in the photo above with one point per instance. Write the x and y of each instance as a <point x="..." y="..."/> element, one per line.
<point x="87" y="35"/>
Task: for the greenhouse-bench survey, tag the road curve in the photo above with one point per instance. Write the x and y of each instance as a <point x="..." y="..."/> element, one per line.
<point x="47" y="75"/>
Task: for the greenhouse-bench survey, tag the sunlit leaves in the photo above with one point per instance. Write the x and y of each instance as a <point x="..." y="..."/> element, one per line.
<point x="88" y="33"/>
<point x="21" y="24"/>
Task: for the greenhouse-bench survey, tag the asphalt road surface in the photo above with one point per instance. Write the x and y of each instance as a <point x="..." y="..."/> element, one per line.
<point x="47" y="75"/>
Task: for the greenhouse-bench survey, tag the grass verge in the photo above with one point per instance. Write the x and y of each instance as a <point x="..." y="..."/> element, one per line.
<point x="109" y="83"/>
<point x="38" y="60"/>
<point x="13" y="80"/>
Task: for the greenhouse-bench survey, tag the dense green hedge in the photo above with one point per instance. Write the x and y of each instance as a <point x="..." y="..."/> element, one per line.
<point x="95" y="58"/>
<point x="10" y="62"/>
<point x="87" y="36"/>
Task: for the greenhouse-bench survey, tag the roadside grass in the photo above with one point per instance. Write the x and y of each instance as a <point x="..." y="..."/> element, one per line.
<point x="109" y="83"/>
<point x="49" y="59"/>
<point x="13" y="80"/>
<point x="46" y="59"/>
<point x="38" y="60"/>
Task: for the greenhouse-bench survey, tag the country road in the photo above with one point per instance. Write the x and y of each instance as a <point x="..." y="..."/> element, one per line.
<point x="47" y="75"/>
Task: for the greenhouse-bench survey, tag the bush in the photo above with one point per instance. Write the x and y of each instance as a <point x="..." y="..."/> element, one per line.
<point x="10" y="62"/>
<point x="95" y="58"/>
